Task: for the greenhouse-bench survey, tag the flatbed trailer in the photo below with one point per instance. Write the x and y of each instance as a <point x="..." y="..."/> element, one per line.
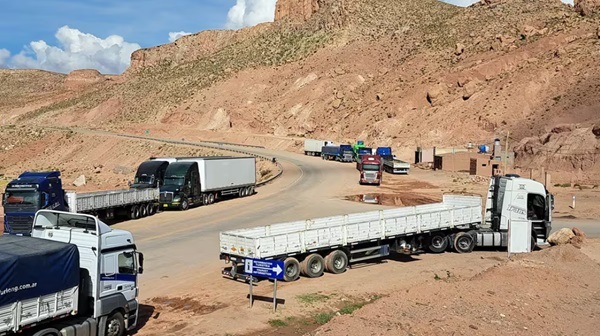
<point x="310" y="247"/>
<point x="134" y="202"/>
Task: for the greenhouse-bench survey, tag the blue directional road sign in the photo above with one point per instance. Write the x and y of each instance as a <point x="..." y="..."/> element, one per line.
<point x="272" y="269"/>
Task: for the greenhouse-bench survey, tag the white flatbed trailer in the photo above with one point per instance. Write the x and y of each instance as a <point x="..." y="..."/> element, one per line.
<point x="331" y="243"/>
<point x="396" y="166"/>
<point x="136" y="202"/>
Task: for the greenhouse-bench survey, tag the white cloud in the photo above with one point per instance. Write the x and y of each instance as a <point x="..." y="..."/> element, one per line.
<point x="4" y="56"/>
<point x="175" y="35"/>
<point x="250" y="12"/>
<point x="77" y="50"/>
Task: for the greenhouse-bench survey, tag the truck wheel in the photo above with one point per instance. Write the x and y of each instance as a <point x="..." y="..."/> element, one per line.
<point x="291" y="267"/>
<point x="185" y="205"/>
<point x="48" y="332"/>
<point x="252" y="190"/>
<point x="150" y="209"/>
<point x="134" y="212"/>
<point x="313" y="266"/>
<point x="143" y="210"/>
<point x="336" y="262"/>
<point x="437" y="243"/>
<point x="115" y="325"/>
<point x="211" y="198"/>
<point x="464" y="243"/>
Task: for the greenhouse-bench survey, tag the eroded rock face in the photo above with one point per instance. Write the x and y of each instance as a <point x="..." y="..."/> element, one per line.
<point x="587" y="7"/>
<point x="80" y="79"/>
<point x="296" y="10"/>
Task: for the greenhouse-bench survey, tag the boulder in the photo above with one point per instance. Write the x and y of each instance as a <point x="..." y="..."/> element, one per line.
<point x="459" y="49"/>
<point x="578" y="232"/>
<point x="561" y="237"/>
<point x="596" y="130"/>
<point x="79" y="181"/>
<point x="434" y="96"/>
<point x="469" y="89"/>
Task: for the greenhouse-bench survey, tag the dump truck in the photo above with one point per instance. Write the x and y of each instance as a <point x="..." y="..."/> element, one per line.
<point x="33" y="191"/>
<point x="73" y="276"/>
<point x="517" y="214"/>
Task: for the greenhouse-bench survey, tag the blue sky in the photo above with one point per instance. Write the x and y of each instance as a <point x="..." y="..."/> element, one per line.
<point x="62" y="35"/>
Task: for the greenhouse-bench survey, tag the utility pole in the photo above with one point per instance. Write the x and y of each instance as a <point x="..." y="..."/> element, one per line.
<point x="506" y="153"/>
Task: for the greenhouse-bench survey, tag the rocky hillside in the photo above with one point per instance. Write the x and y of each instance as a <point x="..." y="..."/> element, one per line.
<point x="396" y="72"/>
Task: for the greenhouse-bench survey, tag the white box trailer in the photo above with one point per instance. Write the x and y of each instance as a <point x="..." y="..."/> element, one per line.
<point x="218" y="173"/>
<point x="313" y="147"/>
<point x="329" y="244"/>
<point x="135" y="202"/>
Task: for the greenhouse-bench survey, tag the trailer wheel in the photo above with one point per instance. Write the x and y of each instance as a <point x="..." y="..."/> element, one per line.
<point x="291" y="268"/>
<point x="143" y="210"/>
<point x="336" y="262"/>
<point x="437" y="243"/>
<point x="313" y="266"/>
<point x="114" y="325"/>
<point x="464" y="243"/>
<point x="211" y="198"/>
<point x="150" y="209"/>
<point x="134" y="212"/>
<point x="252" y="190"/>
<point x="48" y="332"/>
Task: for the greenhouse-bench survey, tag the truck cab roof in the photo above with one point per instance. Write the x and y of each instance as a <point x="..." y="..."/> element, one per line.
<point x="35" y="177"/>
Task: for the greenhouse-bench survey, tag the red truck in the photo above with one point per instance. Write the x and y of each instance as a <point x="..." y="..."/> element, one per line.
<point x="371" y="169"/>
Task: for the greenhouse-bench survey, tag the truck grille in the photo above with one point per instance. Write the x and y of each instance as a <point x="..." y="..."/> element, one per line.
<point x="166" y="197"/>
<point x="370" y="176"/>
<point x="20" y="224"/>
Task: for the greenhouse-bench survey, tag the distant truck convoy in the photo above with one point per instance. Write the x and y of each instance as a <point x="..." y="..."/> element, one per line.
<point x="518" y="215"/>
<point x="74" y="276"/>
<point x="33" y="191"/>
<point x="191" y="181"/>
<point x="370" y="168"/>
<point x="313" y="147"/>
<point x="390" y="163"/>
<point x="342" y="153"/>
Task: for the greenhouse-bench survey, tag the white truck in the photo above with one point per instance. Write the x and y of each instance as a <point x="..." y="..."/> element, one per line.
<point x="204" y="180"/>
<point x="395" y="166"/>
<point x="313" y="147"/>
<point x="517" y="213"/>
<point x="73" y="276"/>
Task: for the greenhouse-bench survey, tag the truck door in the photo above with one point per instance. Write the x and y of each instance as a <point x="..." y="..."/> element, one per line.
<point x="119" y="274"/>
<point x="519" y="226"/>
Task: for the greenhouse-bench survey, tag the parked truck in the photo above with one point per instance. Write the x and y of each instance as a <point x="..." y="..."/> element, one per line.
<point x="313" y="147"/>
<point x="191" y="181"/>
<point x="150" y="174"/>
<point x="390" y="163"/>
<point x="74" y="276"/>
<point x="370" y="168"/>
<point x="518" y="215"/>
<point x="33" y="191"/>
<point x="342" y="153"/>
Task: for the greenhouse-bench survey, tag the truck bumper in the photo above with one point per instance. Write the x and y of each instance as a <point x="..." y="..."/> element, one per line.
<point x="172" y="205"/>
<point x="400" y="171"/>
<point x="365" y="181"/>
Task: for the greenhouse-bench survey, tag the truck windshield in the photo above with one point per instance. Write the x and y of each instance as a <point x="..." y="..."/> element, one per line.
<point x="174" y="180"/>
<point x="370" y="167"/>
<point x="18" y="197"/>
<point x="144" y="179"/>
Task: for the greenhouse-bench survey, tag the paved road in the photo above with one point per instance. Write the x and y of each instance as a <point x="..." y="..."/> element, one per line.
<point x="183" y="246"/>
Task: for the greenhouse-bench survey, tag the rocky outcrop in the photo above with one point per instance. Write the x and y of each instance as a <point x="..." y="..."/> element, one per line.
<point x="296" y="10"/>
<point x="587" y="7"/>
<point x="80" y="79"/>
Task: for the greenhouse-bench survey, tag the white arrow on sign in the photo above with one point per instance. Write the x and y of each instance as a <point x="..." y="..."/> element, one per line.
<point x="277" y="269"/>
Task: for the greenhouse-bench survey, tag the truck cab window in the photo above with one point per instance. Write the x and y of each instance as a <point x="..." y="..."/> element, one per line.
<point x="126" y="263"/>
<point x="536" y="207"/>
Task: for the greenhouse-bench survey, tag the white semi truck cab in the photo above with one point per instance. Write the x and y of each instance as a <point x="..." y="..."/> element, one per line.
<point x="104" y="300"/>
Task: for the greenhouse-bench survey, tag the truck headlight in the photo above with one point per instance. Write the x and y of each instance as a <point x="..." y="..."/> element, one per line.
<point x="176" y="198"/>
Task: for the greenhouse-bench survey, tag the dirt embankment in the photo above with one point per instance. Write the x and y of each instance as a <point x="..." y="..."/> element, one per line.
<point x="554" y="291"/>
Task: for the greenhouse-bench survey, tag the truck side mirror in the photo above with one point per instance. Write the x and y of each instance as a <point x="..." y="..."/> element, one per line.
<point x="141" y="263"/>
<point x="45" y="199"/>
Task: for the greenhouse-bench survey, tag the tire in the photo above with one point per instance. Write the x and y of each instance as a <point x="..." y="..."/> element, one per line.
<point x="336" y="262"/>
<point x="313" y="266"/>
<point x="291" y="268"/>
<point x="464" y="243"/>
<point x="184" y="205"/>
<point x="437" y="243"/>
<point x="204" y="199"/>
<point x="143" y="210"/>
<point x="211" y="198"/>
<point x="134" y="212"/>
<point x="150" y="209"/>
<point x="115" y="325"/>
<point x="251" y="190"/>
<point x="48" y="332"/>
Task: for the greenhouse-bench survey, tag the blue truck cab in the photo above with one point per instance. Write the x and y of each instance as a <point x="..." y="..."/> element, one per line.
<point x="27" y="194"/>
<point x="342" y="153"/>
<point x="384" y="151"/>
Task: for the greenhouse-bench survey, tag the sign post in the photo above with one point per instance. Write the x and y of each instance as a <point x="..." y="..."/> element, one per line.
<point x="271" y="269"/>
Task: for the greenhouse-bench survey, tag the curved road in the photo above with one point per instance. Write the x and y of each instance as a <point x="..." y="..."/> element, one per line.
<point x="181" y="247"/>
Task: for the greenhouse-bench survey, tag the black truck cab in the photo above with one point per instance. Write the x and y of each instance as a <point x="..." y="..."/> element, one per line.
<point x="150" y="174"/>
<point x="181" y="186"/>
